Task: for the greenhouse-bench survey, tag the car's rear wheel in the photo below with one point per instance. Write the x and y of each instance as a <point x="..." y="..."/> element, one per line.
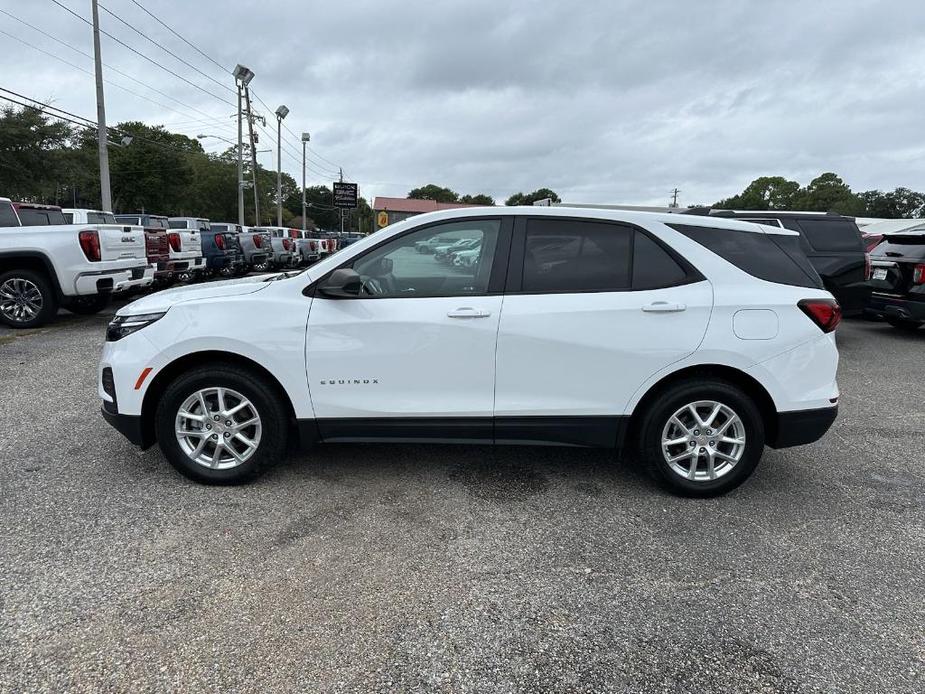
<point x="904" y="324"/>
<point x="221" y="425"/>
<point x="27" y="299"/>
<point x="701" y="438"/>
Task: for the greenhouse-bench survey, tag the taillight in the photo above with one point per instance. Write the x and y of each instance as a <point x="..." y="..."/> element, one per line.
<point x="826" y="313"/>
<point x="324" y="245"/>
<point x="287" y="244"/>
<point x="220" y="241"/>
<point x="90" y="244"/>
<point x="918" y="274"/>
<point x="174" y="239"/>
<point x="313" y="245"/>
<point x="867" y="270"/>
<point x="258" y="241"/>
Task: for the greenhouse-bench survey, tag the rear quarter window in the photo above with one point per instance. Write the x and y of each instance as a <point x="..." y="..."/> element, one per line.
<point x="761" y="255"/>
<point x="832" y="235"/>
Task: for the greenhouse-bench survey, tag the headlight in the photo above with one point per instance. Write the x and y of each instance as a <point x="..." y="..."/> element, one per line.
<point x="120" y="326"/>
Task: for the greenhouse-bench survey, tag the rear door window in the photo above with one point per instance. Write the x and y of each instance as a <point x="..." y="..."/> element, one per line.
<point x="761" y="255"/>
<point x="7" y="215"/>
<point x="911" y="247"/>
<point x="563" y="255"/>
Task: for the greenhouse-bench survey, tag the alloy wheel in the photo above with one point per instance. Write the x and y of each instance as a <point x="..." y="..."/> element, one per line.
<point x="703" y="441"/>
<point x="218" y="428"/>
<point x="20" y="300"/>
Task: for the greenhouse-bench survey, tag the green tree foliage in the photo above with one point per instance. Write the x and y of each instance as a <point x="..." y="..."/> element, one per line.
<point x="434" y="192"/>
<point x="828" y="193"/>
<point x="530" y="198"/>
<point x="899" y="203"/>
<point x="765" y="193"/>
<point x="478" y="199"/>
<point x="33" y="150"/>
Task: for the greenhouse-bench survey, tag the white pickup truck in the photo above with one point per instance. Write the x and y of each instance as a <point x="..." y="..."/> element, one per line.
<point x="46" y="262"/>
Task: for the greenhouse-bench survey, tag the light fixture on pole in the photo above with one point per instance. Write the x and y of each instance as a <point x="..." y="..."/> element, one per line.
<point x="242" y="77"/>
<point x="306" y="138"/>
<point x="281" y="113"/>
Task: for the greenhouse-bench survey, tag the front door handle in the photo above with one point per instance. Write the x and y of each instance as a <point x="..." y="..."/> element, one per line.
<point x="467" y="312"/>
<point x="663" y="307"/>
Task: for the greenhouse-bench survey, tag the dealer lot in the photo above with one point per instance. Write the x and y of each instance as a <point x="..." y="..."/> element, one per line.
<point x="423" y="568"/>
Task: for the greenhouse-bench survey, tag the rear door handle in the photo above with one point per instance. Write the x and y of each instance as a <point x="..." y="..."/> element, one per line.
<point x="467" y="312"/>
<point x="663" y="307"/>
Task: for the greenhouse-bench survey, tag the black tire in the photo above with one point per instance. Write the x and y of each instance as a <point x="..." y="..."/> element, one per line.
<point x="904" y="324"/>
<point x="273" y="415"/>
<point x="667" y="403"/>
<point x="88" y="305"/>
<point x="49" y="301"/>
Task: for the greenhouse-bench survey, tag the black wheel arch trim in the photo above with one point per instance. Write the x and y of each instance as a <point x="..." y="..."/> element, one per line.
<point x="45" y="261"/>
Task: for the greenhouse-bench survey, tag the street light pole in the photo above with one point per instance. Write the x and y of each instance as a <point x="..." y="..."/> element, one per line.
<point x="242" y="77"/>
<point x="281" y="113"/>
<point x="306" y="138"/>
<point x="105" y="190"/>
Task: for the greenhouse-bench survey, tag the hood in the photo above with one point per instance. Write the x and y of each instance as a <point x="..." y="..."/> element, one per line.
<point x="161" y="301"/>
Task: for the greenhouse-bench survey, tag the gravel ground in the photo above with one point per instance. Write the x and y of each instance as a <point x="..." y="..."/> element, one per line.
<point x="457" y="569"/>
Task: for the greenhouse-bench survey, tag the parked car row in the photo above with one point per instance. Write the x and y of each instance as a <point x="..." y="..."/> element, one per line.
<point x="78" y="259"/>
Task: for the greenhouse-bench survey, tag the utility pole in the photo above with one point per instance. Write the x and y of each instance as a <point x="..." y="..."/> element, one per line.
<point x="341" y="171"/>
<point x="674" y="198"/>
<point x="306" y="138"/>
<point x="242" y="77"/>
<point x="240" y="162"/>
<point x="105" y="190"/>
<point x="250" y="130"/>
<point x="281" y="113"/>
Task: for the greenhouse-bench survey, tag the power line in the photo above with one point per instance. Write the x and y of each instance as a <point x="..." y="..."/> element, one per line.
<point x="109" y="67"/>
<point x="175" y="33"/>
<point x="166" y="50"/>
<point x="142" y="55"/>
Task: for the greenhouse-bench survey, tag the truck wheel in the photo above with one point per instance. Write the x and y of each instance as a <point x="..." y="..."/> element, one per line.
<point x="221" y="425"/>
<point x="27" y="299"/>
<point x="701" y="438"/>
<point x="88" y="305"/>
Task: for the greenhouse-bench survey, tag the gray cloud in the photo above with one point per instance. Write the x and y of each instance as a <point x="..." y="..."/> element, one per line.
<point x="602" y="101"/>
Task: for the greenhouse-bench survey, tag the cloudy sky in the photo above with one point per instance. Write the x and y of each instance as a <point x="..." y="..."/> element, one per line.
<point x="614" y="101"/>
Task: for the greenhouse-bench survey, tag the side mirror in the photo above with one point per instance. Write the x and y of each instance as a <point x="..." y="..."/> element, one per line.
<point x="344" y="283"/>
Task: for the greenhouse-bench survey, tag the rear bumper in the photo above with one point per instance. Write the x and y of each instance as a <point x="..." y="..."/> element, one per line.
<point x="852" y="298"/>
<point x="800" y="427"/>
<point x="108" y="281"/>
<point x="257" y="258"/>
<point x="220" y="262"/>
<point x="885" y="306"/>
<point x="127" y="425"/>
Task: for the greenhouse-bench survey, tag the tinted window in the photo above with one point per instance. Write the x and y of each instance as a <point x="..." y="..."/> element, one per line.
<point x="32" y="217"/>
<point x="100" y="218"/>
<point x="220" y="227"/>
<point x="653" y="267"/>
<point x="764" y="256"/>
<point x="575" y="256"/>
<point x="159" y="222"/>
<point x="126" y="219"/>
<point x="69" y="216"/>
<point x="176" y="224"/>
<point x="832" y="235"/>
<point x="911" y="246"/>
<point x="7" y="216"/>
<point x="400" y="268"/>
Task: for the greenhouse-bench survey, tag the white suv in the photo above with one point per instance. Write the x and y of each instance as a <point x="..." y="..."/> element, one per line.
<point x="694" y="341"/>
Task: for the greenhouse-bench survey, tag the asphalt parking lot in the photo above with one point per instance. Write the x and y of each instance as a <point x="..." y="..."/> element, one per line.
<point x="457" y="569"/>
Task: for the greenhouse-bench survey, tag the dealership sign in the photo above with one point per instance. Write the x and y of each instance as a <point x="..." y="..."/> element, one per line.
<point x="345" y="194"/>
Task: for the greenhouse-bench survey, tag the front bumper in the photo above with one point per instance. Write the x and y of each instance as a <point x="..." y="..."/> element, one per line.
<point x="886" y="306"/>
<point x="126" y="424"/>
<point x="801" y="427"/>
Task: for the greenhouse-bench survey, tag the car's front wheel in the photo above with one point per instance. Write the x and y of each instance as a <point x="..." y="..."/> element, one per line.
<point x="701" y="438"/>
<point x="221" y="425"/>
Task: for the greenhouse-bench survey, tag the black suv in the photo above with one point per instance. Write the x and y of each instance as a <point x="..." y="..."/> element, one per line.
<point x="832" y="243"/>
<point x="898" y="280"/>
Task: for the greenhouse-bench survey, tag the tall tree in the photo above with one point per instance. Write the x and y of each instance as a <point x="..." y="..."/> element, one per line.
<point x="828" y="193"/>
<point x="899" y="203"/>
<point x="434" y="192"/>
<point x="764" y="193"/>
<point x="478" y="199"/>
<point x="530" y="198"/>
<point x="32" y="162"/>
